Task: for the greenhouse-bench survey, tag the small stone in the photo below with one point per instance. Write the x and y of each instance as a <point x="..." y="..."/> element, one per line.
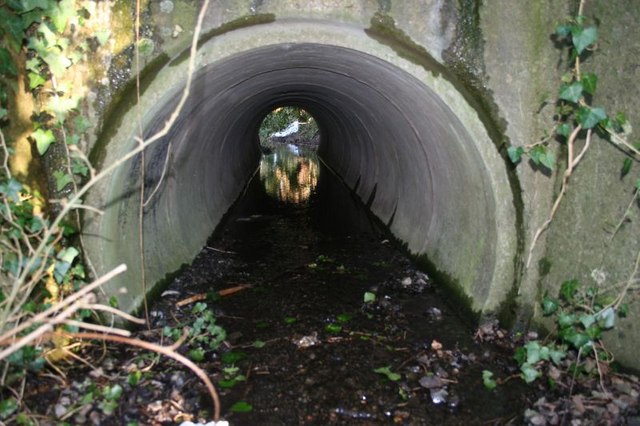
<point x="406" y="281"/>
<point x="431" y="382"/>
<point x="439" y="396"/>
<point x="177" y="30"/>
<point x="166" y="6"/>
<point x="59" y="410"/>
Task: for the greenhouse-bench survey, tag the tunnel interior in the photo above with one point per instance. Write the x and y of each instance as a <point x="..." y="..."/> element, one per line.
<point x="394" y="141"/>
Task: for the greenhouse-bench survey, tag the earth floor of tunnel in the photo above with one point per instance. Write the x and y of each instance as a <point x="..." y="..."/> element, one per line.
<point x="318" y="342"/>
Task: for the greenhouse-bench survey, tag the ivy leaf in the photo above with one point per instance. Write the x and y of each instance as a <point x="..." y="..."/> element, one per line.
<point x="564" y="129"/>
<point x="557" y="356"/>
<point x="62" y="179"/>
<point x="7" y="67"/>
<point x="515" y="153"/>
<point x="623" y="310"/>
<point x="589" y="82"/>
<point x="607" y="318"/>
<point x="590" y="117"/>
<point x="61" y="106"/>
<point x="571" y="92"/>
<point x="196" y="355"/>
<point x="566" y="320"/>
<point x="35" y="80"/>
<point x="61" y="13"/>
<point x="587" y="320"/>
<point x="43" y="139"/>
<point x="541" y="155"/>
<point x="529" y="373"/>
<point x="533" y="352"/>
<point x="11" y="190"/>
<point x="394" y="377"/>
<point x="487" y="380"/>
<point x="549" y="306"/>
<point x="3" y="113"/>
<point x="103" y="37"/>
<point x="58" y="63"/>
<point x="568" y="290"/>
<point x="563" y="30"/>
<point x="241" y="407"/>
<point x="583" y="37"/>
<point x="82" y="124"/>
<point x="13" y="29"/>
<point x="626" y="167"/>
<point x="8" y="407"/>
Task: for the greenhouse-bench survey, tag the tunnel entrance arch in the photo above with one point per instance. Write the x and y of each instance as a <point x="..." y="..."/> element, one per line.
<point x="401" y="137"/>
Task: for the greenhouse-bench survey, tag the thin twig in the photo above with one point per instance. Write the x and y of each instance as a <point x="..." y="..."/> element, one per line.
<point x="571" y="164"/>
<point x="626" y="213"/>
<point x="116" y="312"/>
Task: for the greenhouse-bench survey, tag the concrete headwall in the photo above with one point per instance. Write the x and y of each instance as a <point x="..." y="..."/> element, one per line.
<point x="417" y="102"/>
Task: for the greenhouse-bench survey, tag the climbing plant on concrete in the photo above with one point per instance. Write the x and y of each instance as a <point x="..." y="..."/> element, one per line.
<point x="576" y="116"/>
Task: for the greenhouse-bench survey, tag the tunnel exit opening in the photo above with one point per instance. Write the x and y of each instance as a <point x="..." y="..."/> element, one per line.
<point x="402" y="140"/>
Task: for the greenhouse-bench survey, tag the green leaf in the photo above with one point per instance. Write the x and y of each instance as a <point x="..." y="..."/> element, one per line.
<point x="35" y="80"/>
<point x="515" y="153"/>
<point x="196" y="355"/>
<point x="564" y="129"/>
<point x="571" y="92"/>
<point x="344" y="318"/>
<point x="82" y="124"/>
<point x="289" y="320"/>
<point x="623" y="310"/>
<point x="11" y="190"/>
<point x="62" y="179"/>
<point x="566" y="320"/>
<point x="589" y="82"/>
<point x="590" y="117"/>
<point x="583" y="37"/>
<point x="549" y="306"/>
<point x="369" y="297"/>
<point x="258" y="344"/>
<point x="61" y="13"/>
<point x="43" y="139"/>
<point x="587" y="320"/>
<point x="487" y="380"/>
<point x="563" y="30"/>
<point x="241" y="407"/>
<point x="520" y="355"/>
<point x="102" y="36"/>
<point x="557" y="355"/>
<point x="233" y="357"/>
<point x="113" y="392"/>
<point x="575" y="338"/>
<point x="134" y="377"/>
<point x="3" y="113"/>
<point x="626" y="167"/>
<point x="529" y="373"/>
<point x="7" y="67"/>
<point x="333" y="328"/>
<point x="568" y="290"/>
<point x="607" y="318"/>
<point x="540" y="155"/>
<point x="58" y="63"/>
<point x="394" y="377"/>
<point x="533" y="352"/>
<point x="8" y="407"/>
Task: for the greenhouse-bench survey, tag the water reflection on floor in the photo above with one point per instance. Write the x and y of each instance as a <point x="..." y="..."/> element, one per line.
<point x="290" y="173"/>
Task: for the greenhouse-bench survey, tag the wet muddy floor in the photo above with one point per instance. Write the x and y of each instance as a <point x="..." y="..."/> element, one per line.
<point x="331" y="323"/>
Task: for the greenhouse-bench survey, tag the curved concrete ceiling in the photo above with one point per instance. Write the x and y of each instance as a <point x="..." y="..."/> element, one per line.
<point x="411" y="149"/>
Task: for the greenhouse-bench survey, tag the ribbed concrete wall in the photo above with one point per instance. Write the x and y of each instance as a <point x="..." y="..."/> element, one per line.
<point x="399" y="132"/>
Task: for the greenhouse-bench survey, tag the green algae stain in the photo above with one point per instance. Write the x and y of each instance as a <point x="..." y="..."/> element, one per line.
<point x="243" y="22"/>
<point x="121" y="104"/>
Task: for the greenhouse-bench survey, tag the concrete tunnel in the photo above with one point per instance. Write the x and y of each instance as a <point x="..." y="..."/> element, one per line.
<point x="400" y="135"/>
